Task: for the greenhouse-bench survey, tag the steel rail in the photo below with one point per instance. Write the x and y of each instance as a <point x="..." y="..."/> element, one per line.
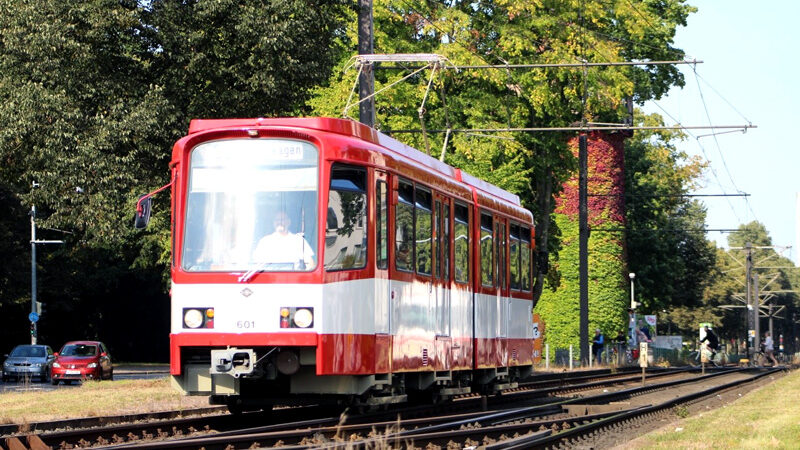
<point x="120" y="433"/>
<point x="572" y="433"/>
<point x="294" y="438"/>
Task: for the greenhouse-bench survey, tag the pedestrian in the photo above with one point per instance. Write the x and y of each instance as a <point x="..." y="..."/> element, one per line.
<point x="644" y="333"/>
<point x="769" y="348"/>
<point x="597" y="344"/>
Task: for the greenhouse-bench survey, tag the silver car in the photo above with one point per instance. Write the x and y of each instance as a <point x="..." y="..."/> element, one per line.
<point x="28" y="361"/>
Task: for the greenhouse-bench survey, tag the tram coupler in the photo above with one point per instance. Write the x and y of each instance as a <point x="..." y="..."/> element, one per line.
<point x="233" y="361"/>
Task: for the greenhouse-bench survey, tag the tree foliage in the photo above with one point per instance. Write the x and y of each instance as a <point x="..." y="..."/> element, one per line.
<point x="533" y="165"/>
<point x="94" y="92"/>
<point x="667" y="248"/>
<point x="559" y="304"/>
<point x="92" y="95"/>
<point x="776" y="276"/>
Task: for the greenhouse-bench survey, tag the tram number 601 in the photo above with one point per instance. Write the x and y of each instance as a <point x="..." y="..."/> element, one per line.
<point x="246" y="324"/>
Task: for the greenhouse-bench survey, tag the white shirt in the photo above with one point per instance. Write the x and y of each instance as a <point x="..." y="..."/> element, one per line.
<point x="768" y="343"/>
<point x="284" y="248"/>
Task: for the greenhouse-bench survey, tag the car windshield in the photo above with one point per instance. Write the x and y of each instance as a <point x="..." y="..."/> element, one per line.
<point x="79" y="350"/>
<point x="28" y="351"/>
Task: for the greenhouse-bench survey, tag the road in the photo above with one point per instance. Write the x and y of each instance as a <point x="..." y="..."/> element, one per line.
<point x="121" y="372"/>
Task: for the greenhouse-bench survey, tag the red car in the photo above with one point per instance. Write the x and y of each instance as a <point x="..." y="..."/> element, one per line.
<point x="82" y="360"/>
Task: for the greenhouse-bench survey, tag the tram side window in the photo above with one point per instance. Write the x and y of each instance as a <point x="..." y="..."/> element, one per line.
<point x="500" y="253"/>
<point x="404" y="227"/>
<point x="487" y="265"/>
<point x="424" y="227"/>
<point x="525" y="259"/>
<point x="437" y="251"/>
<point x="461" y="246"/>
<point x="444" y="246"/>
<point x="513" y="257"/>
<point x="382" y="225"/>
<point x="346" y="230"/>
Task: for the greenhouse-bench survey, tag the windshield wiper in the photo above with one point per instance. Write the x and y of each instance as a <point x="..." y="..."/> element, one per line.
<point x="245" y="277"/>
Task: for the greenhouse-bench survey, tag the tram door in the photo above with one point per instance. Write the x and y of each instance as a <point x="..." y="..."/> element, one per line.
<point x="501" y="286"/>
<point x="441" y="281"/>
<point x="383" y="309"/>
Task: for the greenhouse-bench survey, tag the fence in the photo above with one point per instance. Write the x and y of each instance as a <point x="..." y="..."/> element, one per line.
<point x="617" y="355"/>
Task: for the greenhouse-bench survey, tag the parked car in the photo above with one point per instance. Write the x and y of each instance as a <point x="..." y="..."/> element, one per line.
<point x="28" y="361"/>
<point x="82" y="360"/>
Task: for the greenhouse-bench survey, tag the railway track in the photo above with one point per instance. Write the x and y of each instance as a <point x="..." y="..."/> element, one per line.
<point x="137" y="427"/>
<point x="512" y="417"/>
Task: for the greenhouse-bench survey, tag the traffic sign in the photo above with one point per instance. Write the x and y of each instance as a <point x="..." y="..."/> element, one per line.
<point x="33" y="317"/>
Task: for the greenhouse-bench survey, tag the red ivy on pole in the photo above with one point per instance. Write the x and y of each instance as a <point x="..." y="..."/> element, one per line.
<point x="606" y="182"/>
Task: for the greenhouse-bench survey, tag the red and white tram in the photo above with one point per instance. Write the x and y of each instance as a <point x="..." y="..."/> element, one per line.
<point x="400" y="275"/>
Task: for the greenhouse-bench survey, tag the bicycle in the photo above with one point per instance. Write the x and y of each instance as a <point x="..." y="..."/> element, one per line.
<point x="624" y="359"/>
<point x="712" y="356"/>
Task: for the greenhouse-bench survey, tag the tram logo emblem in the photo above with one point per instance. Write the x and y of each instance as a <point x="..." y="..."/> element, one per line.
<point x="246" y="292"/>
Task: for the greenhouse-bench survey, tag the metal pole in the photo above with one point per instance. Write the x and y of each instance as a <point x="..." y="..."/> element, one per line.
<point x="33" y="273"/>
<point x="583" y="248"/>
<point x="633" y="302"/>
<point x="756" y="313"/>
<point x="770" y="323"/>
<point x="577" y="128"/>
<point x="546" y="356"/>
<point x="366" y="82"/>
<point x="555" y="65"/>
<point x="748" y="311"/>
<point x="570" y="357"/>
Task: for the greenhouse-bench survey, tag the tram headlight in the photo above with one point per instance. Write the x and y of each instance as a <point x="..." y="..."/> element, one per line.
<point x="192" y="318"/>
<point x="303" y="317"/>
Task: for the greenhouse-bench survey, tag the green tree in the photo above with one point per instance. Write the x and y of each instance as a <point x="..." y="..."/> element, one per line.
<point x="666" y="244"/>
<point x="77" y="116"/>
<point x="92" y="95"/>
<point x="533" y="165"/>
<point x="725" y="287"/>
<point x="250" y="58"/>
<point x="777" y="279"/>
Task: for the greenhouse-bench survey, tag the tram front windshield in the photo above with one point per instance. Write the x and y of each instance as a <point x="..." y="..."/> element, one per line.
<point x="251" y="205"/>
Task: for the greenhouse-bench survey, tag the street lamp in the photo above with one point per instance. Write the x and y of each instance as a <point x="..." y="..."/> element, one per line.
<point x="633" y="302"/>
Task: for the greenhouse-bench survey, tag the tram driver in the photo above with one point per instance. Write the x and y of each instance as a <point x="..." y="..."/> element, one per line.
<point x="284" y="247"/>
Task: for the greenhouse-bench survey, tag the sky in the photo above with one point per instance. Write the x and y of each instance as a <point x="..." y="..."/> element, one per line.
<point x="749" y="74"/>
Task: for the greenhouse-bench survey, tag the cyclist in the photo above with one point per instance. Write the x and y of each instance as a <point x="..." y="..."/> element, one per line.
<point x="712" y="342"/>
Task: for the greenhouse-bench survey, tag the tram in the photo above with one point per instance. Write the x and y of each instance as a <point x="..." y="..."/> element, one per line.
<point x="318" y="259"/>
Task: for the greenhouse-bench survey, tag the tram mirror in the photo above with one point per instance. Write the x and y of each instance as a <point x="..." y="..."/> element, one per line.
<point x="142" y="216"/>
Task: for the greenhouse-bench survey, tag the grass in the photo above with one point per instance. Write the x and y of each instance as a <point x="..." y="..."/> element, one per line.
<point x="768" y="417"/>
<point x="91" y="399"/>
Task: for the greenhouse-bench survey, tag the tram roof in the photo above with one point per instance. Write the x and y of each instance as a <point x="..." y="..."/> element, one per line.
<point x="358" y="130"/>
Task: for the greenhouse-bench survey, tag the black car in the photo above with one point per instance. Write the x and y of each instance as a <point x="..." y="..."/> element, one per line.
<point x="28" y="361"/>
